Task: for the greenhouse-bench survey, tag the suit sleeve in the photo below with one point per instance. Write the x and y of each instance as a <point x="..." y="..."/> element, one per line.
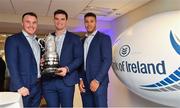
<point x="11" y="54"/>
<point x="82" y="72"/>
<point x="78" y="56"/>
<point x="106" y="54"/>
<point x="81" y="68"/>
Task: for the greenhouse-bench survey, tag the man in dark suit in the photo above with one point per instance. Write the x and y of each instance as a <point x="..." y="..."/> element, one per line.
<point x="2" y="72"/>
<point x="58" y="89"/>
<point x="94" y="79"/>
<point x="22" y="54"/>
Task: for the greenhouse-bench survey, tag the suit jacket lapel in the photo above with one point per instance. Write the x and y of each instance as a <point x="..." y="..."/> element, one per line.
<point x="65" y="43"/>
<point x="92" y="44"/>
<point x="26" y="44"/>
<point x="83" y="40"/>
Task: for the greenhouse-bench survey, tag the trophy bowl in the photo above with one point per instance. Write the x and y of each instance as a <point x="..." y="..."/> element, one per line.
<point x="51" y="59"/>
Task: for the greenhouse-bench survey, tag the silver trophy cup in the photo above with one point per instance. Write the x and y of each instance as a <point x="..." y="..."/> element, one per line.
<point x="51" y="56"/>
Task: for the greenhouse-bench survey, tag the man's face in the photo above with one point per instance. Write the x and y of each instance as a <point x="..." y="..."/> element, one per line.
<point x="90" y="24"/>
<point x="29" y="24"/>
<point x="60" y="21"/>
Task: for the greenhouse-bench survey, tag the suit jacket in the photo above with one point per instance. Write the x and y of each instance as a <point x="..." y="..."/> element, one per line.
<point x="99" y="59"/>
<point x="72" y="57"/>
<point x="2" y="69"/>
<point x="20" y="61"/>
<point x="2" y="73"/>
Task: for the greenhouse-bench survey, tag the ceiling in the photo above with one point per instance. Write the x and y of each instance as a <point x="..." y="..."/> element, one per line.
<point x="106" y="11"/>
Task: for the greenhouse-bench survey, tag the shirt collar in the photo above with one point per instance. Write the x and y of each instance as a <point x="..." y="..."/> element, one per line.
<point x="28" y="36"/>
<point x="92" y="34"/>
<point x="63" y="33"/>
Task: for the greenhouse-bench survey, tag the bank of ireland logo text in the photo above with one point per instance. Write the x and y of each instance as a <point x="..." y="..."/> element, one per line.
<point x="172" y="82"/>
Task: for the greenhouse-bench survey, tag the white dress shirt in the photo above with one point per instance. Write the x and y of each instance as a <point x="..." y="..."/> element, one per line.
<point x="87" y="43"/>
<point x="59" y="42"/>
<point x="35" y="48"/>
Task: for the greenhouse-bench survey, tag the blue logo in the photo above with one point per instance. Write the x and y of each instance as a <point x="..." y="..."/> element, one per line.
<point x="172" y="82"/>
<point x="124" y="50"/>
<point x="175" y="45"/>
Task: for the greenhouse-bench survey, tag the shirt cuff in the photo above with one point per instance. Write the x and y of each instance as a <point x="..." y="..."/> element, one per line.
<point x="67" y="68"/>
<point x="96" y="81"/>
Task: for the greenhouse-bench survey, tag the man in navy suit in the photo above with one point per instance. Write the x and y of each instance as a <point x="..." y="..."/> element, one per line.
<point x="94" y="79"/>
<point x="58" y="89"/>
<point x="22" y="54"/>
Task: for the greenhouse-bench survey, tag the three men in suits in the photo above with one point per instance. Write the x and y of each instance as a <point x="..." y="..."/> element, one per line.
<point x="22" y="54"/>
<point x="94" y="79"/>
<point x="58" y="89"/>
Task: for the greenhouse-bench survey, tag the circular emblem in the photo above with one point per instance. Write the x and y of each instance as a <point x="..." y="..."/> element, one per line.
<point x="124" y="50"/>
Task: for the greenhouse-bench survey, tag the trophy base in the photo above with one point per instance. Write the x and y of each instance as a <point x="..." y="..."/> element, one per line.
<point x="49" y="71"/>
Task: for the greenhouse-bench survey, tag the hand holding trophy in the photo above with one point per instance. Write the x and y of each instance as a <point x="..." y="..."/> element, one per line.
<point x="51" y="59"/>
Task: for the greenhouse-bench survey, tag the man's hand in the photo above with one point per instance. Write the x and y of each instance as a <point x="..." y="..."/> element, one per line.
<point x="23" y="91"/>
<point x="81" y="86"/>
<point x="94" y="85"/>
<point x="62" y="71"/>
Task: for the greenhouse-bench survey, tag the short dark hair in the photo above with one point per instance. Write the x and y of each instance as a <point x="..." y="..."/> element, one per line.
<point x="29" y="13"/>
<point x="60" y="11"/>
<point x="90" y="14"/>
